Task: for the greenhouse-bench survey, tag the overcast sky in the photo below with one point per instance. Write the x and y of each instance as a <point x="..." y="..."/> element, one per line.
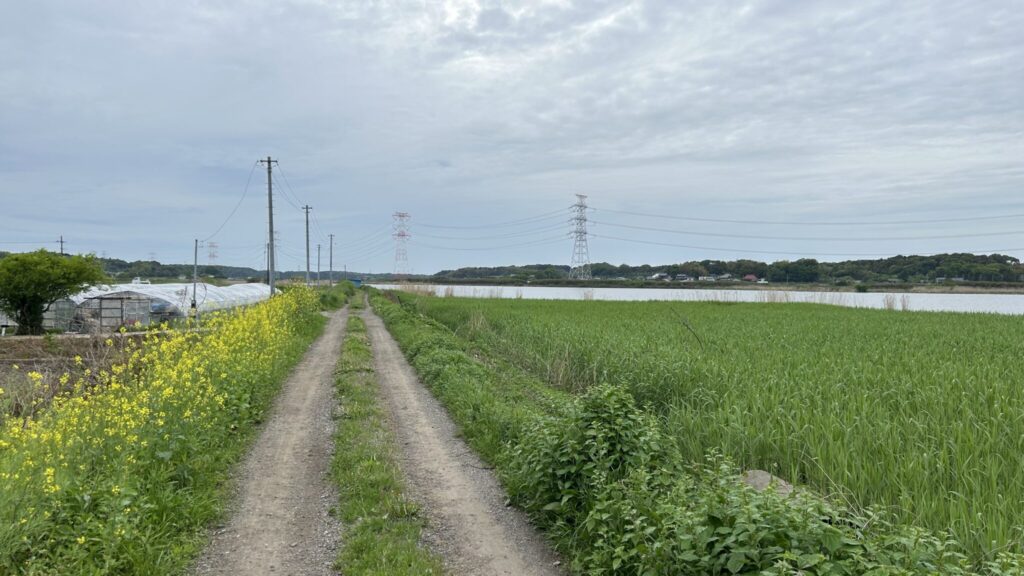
<point x="133" y="127"/>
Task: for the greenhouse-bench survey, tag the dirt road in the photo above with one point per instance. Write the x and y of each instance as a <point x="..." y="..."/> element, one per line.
<point x="281" y="524"/>
<point x="468" y="522"/>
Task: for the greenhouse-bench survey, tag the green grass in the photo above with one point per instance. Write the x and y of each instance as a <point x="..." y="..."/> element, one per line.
<point x="382" y="526"/>
<point x="918" y="413"/>
<point x="335" y="297"/>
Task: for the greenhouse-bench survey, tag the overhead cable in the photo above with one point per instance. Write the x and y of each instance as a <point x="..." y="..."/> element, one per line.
<point x="537" y="242"/>
<point x="812" y="223"/>
<point x="497" y="236"/>
<point x="237" y="205"/>
<point x="546" y="216"/>
<point x="808" y="238"/>
<point x="779" y="252"/>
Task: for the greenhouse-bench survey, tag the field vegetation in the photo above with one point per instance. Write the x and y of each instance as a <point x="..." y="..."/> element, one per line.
<point x="905" y="428"/>
<point x="122" y="471"/>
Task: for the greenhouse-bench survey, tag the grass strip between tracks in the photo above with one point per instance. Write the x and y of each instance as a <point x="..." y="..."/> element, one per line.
<point x="381" y="526"/>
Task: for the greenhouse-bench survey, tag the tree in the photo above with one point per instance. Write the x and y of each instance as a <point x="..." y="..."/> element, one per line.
<point x="31" y="281"/>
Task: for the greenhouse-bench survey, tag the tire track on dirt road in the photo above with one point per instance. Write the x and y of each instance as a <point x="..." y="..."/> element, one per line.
<point x="469" y="524"/>
<point x="280" y="523"/>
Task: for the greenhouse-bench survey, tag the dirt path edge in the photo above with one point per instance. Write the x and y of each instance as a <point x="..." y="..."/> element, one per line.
<point x="280" y="520"/>
<point x="469" y="523"/>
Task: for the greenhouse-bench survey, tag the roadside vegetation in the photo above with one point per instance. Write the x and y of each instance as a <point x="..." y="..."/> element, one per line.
<point x="627" y="434"/>
<point x="122" y="475"/>
<point x="335" y="297"/>
<point x="381" y="526"/>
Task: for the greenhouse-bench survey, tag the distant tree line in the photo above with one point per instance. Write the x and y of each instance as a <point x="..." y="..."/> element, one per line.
<point x="948" y="267"/>
<point x="122" y="270"/>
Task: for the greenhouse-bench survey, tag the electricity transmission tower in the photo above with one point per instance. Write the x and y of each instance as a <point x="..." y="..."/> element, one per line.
<point x="211" y="252"/>
<point x="401" y="236"/>
<point x="579" y="268"/>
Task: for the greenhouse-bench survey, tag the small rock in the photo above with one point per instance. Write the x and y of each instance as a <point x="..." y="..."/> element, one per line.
<point x="760" y="480"/>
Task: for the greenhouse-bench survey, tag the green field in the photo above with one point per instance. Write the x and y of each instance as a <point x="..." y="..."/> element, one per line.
<point x="920" y="414"/>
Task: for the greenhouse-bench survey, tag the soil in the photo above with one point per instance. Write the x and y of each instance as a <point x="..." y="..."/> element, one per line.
<point x="281" y="522"/>
<point x="468" y="520"/>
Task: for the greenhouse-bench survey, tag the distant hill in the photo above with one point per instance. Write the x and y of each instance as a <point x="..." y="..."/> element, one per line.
<point x="956" y="267"/>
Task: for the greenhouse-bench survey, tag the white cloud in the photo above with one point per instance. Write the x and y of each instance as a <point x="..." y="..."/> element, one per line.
<point x="474" y="110"/>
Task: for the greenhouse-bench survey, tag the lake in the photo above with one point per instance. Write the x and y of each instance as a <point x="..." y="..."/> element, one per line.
<point x="992" y="303"/>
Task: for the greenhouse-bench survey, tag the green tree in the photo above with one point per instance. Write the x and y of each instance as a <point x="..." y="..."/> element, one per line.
<point x="31" y="281"/>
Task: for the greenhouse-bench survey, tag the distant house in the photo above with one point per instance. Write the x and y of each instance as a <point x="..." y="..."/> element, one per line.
<point x="706" y="278"/>
<point x="683" y="278"/>
<point x="751" y="278"/>
<point x="725" y="276"/>
<point x="658" y="276"/>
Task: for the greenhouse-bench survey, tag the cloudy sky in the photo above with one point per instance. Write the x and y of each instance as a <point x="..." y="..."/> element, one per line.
<point x="764" y="129"/>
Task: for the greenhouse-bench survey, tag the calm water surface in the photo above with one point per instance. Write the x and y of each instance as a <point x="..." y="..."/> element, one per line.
<point x="994" y="303"/>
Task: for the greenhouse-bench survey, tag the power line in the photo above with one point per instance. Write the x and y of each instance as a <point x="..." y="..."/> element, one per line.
<point x="780" y="252"/>
<point x="538" y="242"/>
<point x="559" y="226"/>
<point x="531" y="219"/>
<point x="369" y="254"/>
<point x="237" y="205"/>
<point x="288" y="187"/>
<point x="319" y="230"/>
<point x="808" y="238"/>
<point x="379" y="233"/>
<point x="806" y="223"/>
<point x="284" y="194"/>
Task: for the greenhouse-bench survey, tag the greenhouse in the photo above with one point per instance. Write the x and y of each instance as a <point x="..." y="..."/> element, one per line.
<point x="104" y="308"/>
<point x="107" y="308"/>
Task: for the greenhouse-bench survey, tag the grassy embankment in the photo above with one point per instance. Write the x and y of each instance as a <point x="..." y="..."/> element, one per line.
<point x="122" y="474"/>
<point x="825" y="396"/>
<point x="382" y="527"/>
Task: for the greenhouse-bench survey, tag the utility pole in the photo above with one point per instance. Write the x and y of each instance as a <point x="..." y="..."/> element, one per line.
<point x="270" y="219"/>
<point x="330" y="260"/>
<point x="61" y="244"/>
<point x="317" y="265"/>
<point x="195" y="279"/>
<point x="579" y="268"/>
<point x="306" y="209"/>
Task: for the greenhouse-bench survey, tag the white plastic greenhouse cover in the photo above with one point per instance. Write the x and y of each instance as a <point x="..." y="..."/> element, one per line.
<point x="209" y="297"/>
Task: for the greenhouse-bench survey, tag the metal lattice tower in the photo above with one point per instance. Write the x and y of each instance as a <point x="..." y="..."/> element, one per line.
<point x="211" y="252"/>
<point x="579" y="268"/>
<point x="401" y="236"/>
